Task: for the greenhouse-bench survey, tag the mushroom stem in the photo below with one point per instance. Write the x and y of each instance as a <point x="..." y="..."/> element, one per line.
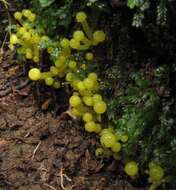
<point x="87" y="29"/>
<point x="46" y="75"/>
<point x="83" y="47"/>
<point x="86" y="41"/>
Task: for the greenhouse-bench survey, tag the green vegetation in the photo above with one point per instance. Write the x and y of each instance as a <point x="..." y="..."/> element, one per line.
<point x="142" y="6"/>
<point x="130" y="107"/>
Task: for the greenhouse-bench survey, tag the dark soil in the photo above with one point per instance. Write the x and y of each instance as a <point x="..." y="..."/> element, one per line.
<point x="42" y="151"/>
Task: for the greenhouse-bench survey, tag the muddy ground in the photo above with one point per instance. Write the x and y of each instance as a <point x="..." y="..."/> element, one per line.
<point x="45" y="150"/>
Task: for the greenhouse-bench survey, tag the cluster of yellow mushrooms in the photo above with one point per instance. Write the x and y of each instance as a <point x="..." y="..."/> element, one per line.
<point x="86" y="102"/>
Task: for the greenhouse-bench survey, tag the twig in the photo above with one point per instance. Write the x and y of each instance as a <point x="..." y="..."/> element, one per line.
<point x="5" y="92"/>
<point x="35" y="150"/>
<point x="62" y="175"/>
<point x="67" y="178"/>
<point x="10" y="168"/>
<point x="11" y="81"/>
<point x="9" y="89"/>
<point x="61" y="179"/>
<point x="8" y="10"/>
<point x="51" y="187"/>
<point x="2" y="48"/>
<point x="27" y="134"/>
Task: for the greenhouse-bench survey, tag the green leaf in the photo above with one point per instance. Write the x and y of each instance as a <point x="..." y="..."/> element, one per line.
<point x="132" y="3"/>
<point x="46" y="3"/>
